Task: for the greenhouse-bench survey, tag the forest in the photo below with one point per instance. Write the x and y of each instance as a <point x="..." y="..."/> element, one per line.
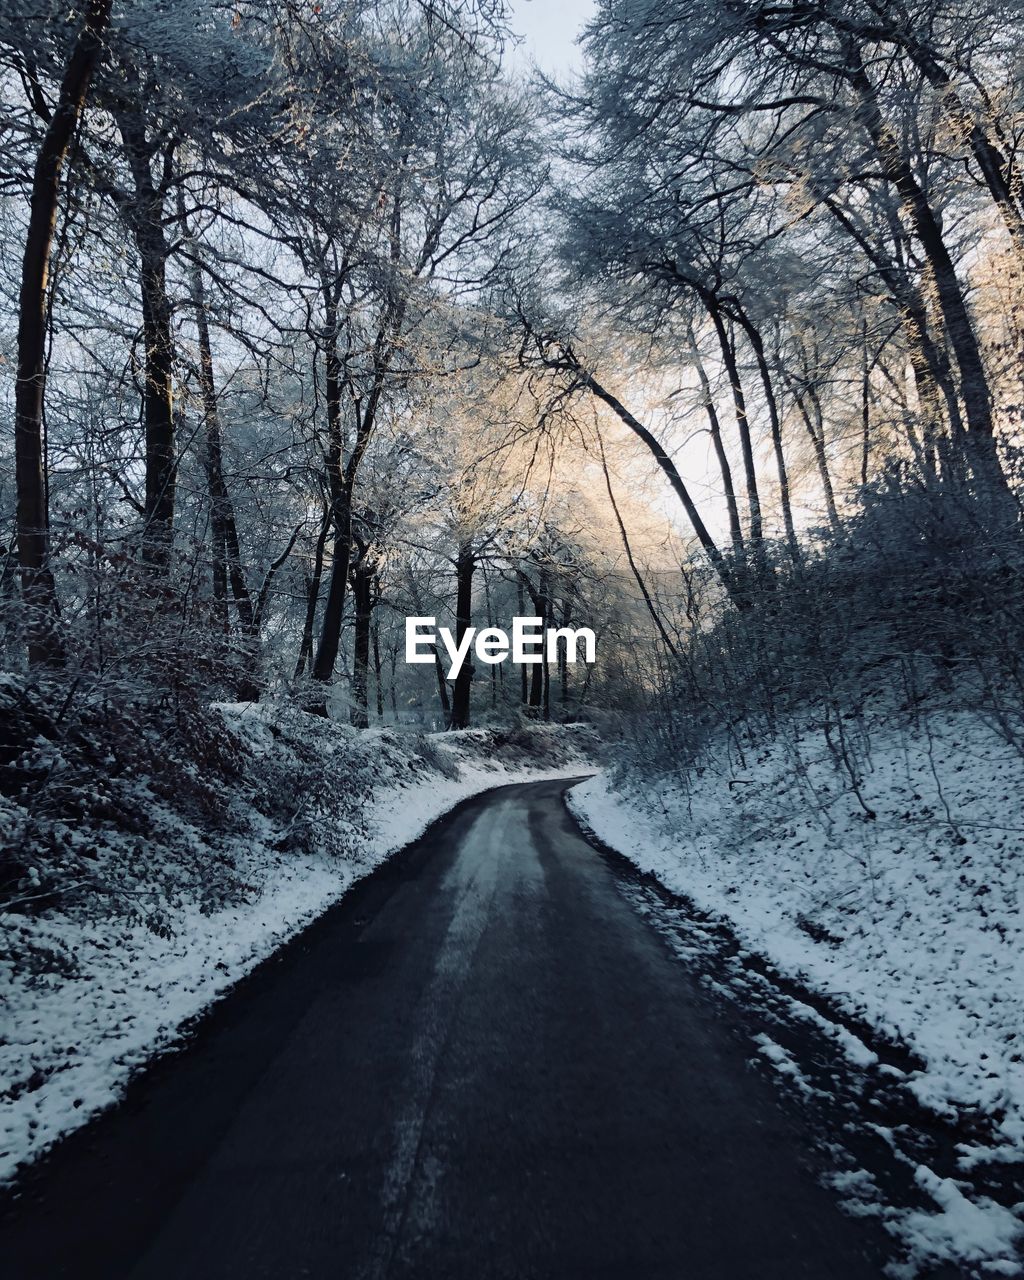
<point x="319" y="315"/>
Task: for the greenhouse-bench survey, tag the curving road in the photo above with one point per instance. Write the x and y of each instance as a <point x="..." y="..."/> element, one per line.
<point x="482" y="1064"/>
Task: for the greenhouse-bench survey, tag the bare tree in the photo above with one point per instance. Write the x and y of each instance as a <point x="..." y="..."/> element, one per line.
<point x="38" y="588"/>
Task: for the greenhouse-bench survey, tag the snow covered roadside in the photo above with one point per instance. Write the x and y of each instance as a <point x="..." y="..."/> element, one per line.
<point x="70" y="1043"/>
<point x="902" y="908"/>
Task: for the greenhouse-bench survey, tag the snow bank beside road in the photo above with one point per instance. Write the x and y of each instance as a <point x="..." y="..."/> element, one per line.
<point x="904" y="910"/>
<point x="90" y="995"/>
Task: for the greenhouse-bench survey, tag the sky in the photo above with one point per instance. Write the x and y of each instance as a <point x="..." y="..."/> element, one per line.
<point x="550" y="27"/>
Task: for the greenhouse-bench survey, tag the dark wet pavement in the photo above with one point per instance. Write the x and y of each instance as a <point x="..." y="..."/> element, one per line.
<point x="483" y="1063"/>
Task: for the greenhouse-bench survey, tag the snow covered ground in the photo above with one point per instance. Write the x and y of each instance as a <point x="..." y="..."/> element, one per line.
<point x="71" y="1042"/>
<point x="890" y="882"/>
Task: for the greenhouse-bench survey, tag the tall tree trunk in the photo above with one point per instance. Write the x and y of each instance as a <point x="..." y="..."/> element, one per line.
<point x="334" y="608"/>
<point x="227" y="556"/>
<point x="496" y="666"/>
<point x="146" y="219"/>
<point x="341" y="498"/>
<point x="377" y="673"/>
<point x="524" y="679"/>
<point x="45" y="646"/>
<point x="715" y="427"/>
<point x="465" y="565"/>
<point x="742" y="420"/>
<point x="815" y="431"/>
<point x="216" y="490"/>
<point x="313" y="595"/>
<point x="816" y="425"/>
<point x="538" y="670"/>
<point x="757" y="346"/>
<point x="343" y="478"/>
<point x="362" y="595"/>
<point x="952" y="305"/>
<point x="563" y="665"/>
<point x="393" y="681"/>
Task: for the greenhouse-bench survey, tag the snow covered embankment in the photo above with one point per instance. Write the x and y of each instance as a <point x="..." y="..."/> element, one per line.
<point x="92" y="993"/>
<point x="904" y="911"/>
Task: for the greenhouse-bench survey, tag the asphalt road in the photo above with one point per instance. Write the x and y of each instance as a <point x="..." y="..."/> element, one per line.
<point x="483" y="1063"/>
